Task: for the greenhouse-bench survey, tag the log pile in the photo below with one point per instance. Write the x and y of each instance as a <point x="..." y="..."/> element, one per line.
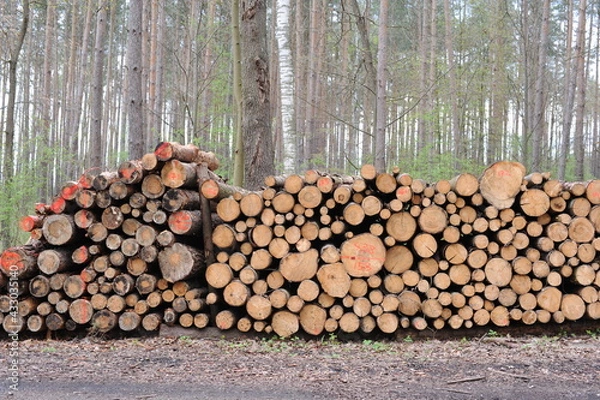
<point x="164" y="240"/>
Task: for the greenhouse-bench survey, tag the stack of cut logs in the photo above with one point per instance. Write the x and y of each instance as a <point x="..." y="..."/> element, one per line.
<point x="164" y="240"/>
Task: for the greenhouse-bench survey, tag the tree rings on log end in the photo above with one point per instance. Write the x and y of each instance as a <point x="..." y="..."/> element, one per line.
<point x="363" y="255"/>
<point x="501" y="182"/>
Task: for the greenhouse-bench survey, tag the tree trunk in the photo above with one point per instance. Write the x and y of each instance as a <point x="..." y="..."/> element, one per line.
<point x="256" y="121"/>
<point x="381" y="108"/>
<point x="96" y="140"/>
<point x="133" y="91"/>
<point x="286" y="81"/>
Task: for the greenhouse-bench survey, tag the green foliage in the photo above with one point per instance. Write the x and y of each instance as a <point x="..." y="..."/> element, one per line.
<point x="17" y="198"/>
<point x="116" y="158"/>
<point x="492" y="333"/>
<point x="377" y="346"/>
<point x="433" y="166"/>
<point x="593" y="333"/>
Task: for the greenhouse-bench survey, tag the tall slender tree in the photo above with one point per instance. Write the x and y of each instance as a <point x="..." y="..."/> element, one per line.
<point x="133" y="91"/>
<point x="381" y="120"/>
<point x="569" y="84"/>
<point x="13" y="62"/>
<point x="539" y="122"/>
<point x="238" y="109"/>
<point x="96" y="110"/>
<point x="256" y="119"/>
<point x="286" y="80"/>
<point x="580" y="53"/>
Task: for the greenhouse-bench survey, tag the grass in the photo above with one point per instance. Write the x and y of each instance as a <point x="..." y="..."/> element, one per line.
<point x="377" y="346"/>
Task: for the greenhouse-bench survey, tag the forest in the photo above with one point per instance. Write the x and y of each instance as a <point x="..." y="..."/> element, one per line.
<point x="434" y="87"/>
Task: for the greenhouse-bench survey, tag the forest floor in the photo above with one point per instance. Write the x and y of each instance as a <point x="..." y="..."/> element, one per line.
<point x="492" y="365"/>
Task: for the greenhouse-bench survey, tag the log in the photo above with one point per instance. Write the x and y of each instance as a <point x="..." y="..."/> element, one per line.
<point x="175" y="174"/>
<point x="401" y="226"/>
<point x="312" y="319"/>
<point x="498" y="271"/>
<point x="581" y="230"/>
<point x="180" y="199"/>
<point x="592" y="191"/>
<point x="225" y="319"/>
<point x="112" y="218"/>
<point x="409" y="303"/>
<point x="363" y="255"/>
<point x="185" y="222"/>
<point x="236" y="293"/>
<point x="549" y="299"/>
<point x="228" y="209"/>
<point x="464" y="184"/>
<point x="39" y="286"/>
<point x="29" y="222"/>
<point x="501" y="182"/>
<point x="81" y="311"/>
<point x="534" y="202"/>
<point x="296" y="267"/>
<point x="572" y="306"/>
<point x="349" y="322"/>
<point x="285" y="323"/>
<point x="19" y="261"/>
<point x="129" y="321"/>
<point x="123" y="284"/>
<point x="120" y="190"/>
<point x="151" y="322"/>
<point x="259" y="307"/>
<point x="334" y="279"/>
<point x="388" y="322"/>
<point x="166" y="151"/>
<point x="425" y="245"/>
<point x="180" y="262"/>
<point x="152" y="186"/>
<point x="59" y="229"/>
<point x="97" y="232"/>
<point x="219" y="275"/>
<point x="131" y="172"/>
<point x="104" y="321"/>
<point x="433" y="219"/>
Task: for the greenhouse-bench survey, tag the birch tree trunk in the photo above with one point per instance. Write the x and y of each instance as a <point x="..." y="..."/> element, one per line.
<point x="578" y="143"/>
<point x="381" y="109"/>
<point x="286" y="82"/>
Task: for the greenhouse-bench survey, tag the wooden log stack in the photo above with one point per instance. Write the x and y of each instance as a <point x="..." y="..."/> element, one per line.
<point x="164" y="240"/>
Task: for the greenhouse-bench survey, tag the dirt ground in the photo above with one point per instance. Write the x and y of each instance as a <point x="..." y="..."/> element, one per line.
<point x="492" y="365"/>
